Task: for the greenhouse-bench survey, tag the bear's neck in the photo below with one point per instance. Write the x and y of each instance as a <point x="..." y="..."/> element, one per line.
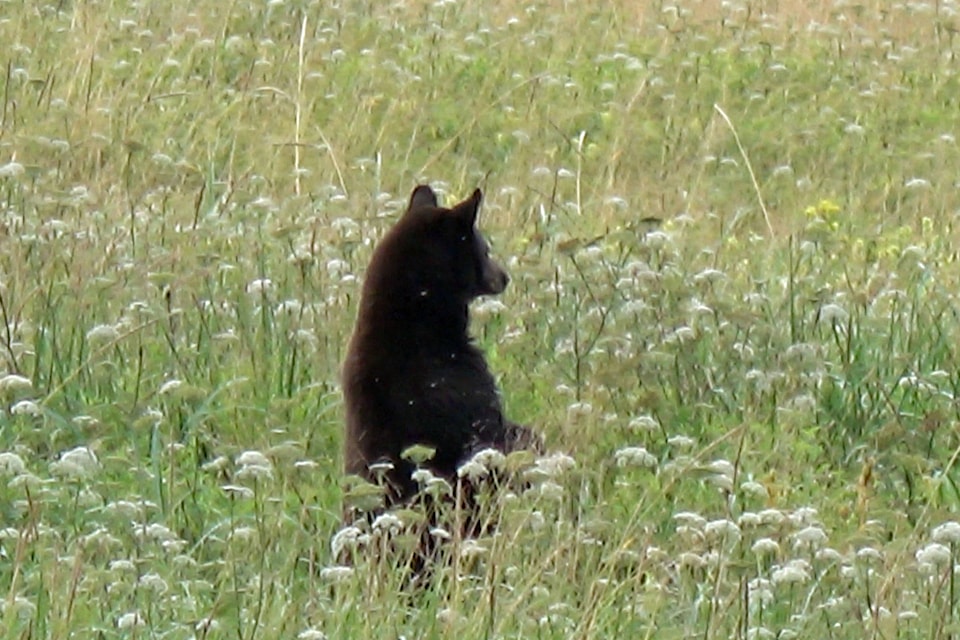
<point x="414" y="321"/>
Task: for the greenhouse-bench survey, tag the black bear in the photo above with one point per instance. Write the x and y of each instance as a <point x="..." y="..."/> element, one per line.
<point x="412" y="375"/>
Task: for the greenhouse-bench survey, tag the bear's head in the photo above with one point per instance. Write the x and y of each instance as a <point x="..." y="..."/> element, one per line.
<point x="435" y="255"/>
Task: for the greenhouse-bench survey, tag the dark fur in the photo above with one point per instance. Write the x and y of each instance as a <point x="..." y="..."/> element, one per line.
<point x="412" y="375"/>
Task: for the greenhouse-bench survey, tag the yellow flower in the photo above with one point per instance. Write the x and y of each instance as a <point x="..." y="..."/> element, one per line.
<point x="828" y="208"/>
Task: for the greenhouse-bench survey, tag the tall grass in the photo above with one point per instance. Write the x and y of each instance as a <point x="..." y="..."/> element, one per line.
<point x="731" y="229"/>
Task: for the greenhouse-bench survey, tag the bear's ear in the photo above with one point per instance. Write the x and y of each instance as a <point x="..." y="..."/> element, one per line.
<point x="422" y="198"/>
<point x="467" y="210"/>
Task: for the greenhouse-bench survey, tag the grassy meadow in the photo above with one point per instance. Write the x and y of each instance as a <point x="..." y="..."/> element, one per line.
<point x="733" y="239"/>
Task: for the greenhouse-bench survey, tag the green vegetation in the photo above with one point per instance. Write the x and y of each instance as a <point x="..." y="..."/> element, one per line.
<point x="758" y="395"/>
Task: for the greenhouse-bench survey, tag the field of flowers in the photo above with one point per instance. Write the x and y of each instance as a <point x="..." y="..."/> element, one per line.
<point x="734" y="314"/>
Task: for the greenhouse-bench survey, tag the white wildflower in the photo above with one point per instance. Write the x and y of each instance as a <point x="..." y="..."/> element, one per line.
<point x="311" y="634"/>
<point x="803" y="402"/>
<point x="801" y="352"/>
<point x="760" y="633"/>
<point x="644" y="423"/>
<point x="25" y="479"/>
<point x="690" y="519"/>
<point x="18" y="606"/>
<point x="471" y="549"/>
<point x="934" y="554"/>
<point x="749" y="519"/>
<point x="804" y="516"/>
<point x="254" y="464"/>
<point x="472" y="470"/>
<point x="387" y="522"/>
<point x="439" y="487"/>
<point x="216" y="465"/>
<point x="771" y="516"/>
<point x="422" y="476"/>
<point x="13" y="383"/>
<point x="828" y="555"/>
<point x="869" y="554"/>
<point x="122" y="565"/>
<point x="721" y="467"/>
<point x="656" y="239"/>
<point x="722" y="530"/>
<point x="681" y="442"/>
<point x="635" y="457"/>
<point x="289" y="307"/>
<point x="11" y="169"/>
<point x="182" y="561"/>
<point x="348" y="538"/>
<point x="11" y="464"/>
<point x="765" y="547"/>
<point x="205" y="625"/>
<point x="260" y="286"/>
<point x="255" y="472"/>
<point x="579" y="409"/>
<point x="80" y="462"/>
<point x="755" y="489"/>
<point x="337" y="267"/>
<point x="381" y="467"/>
<point x="680" y="335"/>
<point x="833" y="314"/>
<point x="153" y="582"/>
<point x="336" y="574"/>
<point x="721" y="480"/>
<point x="26" y="408"/>
<point x="812" y="537"/>
<point x="103" y="333"/>
<point x="243" y="534"/>
<point x="490" y="458"/>
<point x="125" y="509"/>
<point x="150" y="418"/>
<point x="448" y="616"/>
<point x="761" y="591"/>
<point x="795" y="571"/>
<point x="709" y="275"/>
<point x="690" y="535"/>
<point x="345" y="226"/>
<point x="129" y="621"/>
<point x="440" y="533"/>
<point x="947" y="533"/>
<point x="489" y="307"/>
<point x="689" y="560"/>
<point x="555" y="464"/>
<point x="745" y="351"/>
<point x="549" y="490"/>
<point x="252" y="459"/>
<point x="170" y="386"/>
<point x="536" y="520"/>
<point x="238" y="491"/>
<point x="154" y="531"/>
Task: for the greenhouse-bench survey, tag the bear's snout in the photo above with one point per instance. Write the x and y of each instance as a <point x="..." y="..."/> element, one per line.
<point x="495" y="279"/>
